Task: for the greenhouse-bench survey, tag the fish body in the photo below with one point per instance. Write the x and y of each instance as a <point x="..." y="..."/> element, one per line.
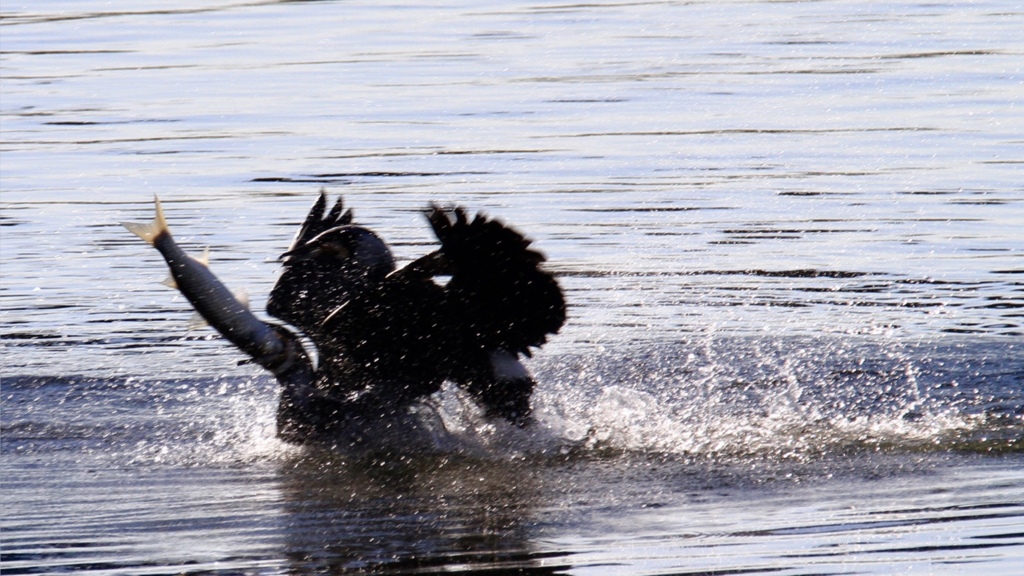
<point x="270" y="346"/>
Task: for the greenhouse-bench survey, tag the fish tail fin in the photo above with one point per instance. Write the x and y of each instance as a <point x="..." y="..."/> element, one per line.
<point x="149" y="231"/>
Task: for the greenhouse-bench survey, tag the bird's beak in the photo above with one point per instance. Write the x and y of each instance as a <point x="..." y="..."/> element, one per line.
<point x="298" y="254"/>
<point x="315" y="250"/>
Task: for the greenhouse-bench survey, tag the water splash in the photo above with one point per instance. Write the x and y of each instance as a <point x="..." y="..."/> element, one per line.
<point x="792" y="399"/>
<point x="736" y="399"/>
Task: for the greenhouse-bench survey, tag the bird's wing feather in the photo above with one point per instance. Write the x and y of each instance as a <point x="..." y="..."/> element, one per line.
<point x="316" y="223"/>
<point x="505" y="300"/>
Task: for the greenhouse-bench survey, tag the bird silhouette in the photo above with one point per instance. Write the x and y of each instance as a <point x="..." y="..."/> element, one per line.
<point x="388" y="336"/>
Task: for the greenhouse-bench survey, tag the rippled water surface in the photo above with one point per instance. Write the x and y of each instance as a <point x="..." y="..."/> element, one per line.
<point x="789" y="233"/>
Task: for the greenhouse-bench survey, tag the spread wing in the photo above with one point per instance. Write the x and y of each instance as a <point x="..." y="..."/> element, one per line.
<point x="305" y="292"/>
<point x="500" y="295"/>
<point x="317" y="222"/>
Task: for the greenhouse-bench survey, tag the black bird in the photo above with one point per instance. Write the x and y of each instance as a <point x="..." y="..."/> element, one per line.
<point x="387" y="337"/>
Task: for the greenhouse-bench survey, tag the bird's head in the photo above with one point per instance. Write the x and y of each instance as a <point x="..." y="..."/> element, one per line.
<point x="349" y="247"/>
<point x="321" y="273"/>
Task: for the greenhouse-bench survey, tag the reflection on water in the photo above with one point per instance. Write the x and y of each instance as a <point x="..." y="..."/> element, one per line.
<point x="743" y="453"/>
<point x="789" y="233"/>
<point x="322" y="513"/>
<point x="411" y="514"/>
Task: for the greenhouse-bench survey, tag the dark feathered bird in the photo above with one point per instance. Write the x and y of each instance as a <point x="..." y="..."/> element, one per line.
<point x="386" y="336"/>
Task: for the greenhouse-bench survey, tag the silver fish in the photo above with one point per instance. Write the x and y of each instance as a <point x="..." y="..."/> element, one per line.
<point x="270" y="346"/>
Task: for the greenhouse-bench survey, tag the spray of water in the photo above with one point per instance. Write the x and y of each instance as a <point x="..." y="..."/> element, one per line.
<point x="717" y="399"/>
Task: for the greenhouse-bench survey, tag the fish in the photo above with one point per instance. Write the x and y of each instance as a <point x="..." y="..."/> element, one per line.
<point x="272" y="347"/>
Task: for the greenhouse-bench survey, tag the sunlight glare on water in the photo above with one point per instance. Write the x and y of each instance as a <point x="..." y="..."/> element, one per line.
<point x="788" y="232"/>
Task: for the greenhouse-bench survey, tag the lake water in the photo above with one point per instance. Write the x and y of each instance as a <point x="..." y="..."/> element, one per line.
<point x="790" y="234"/>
